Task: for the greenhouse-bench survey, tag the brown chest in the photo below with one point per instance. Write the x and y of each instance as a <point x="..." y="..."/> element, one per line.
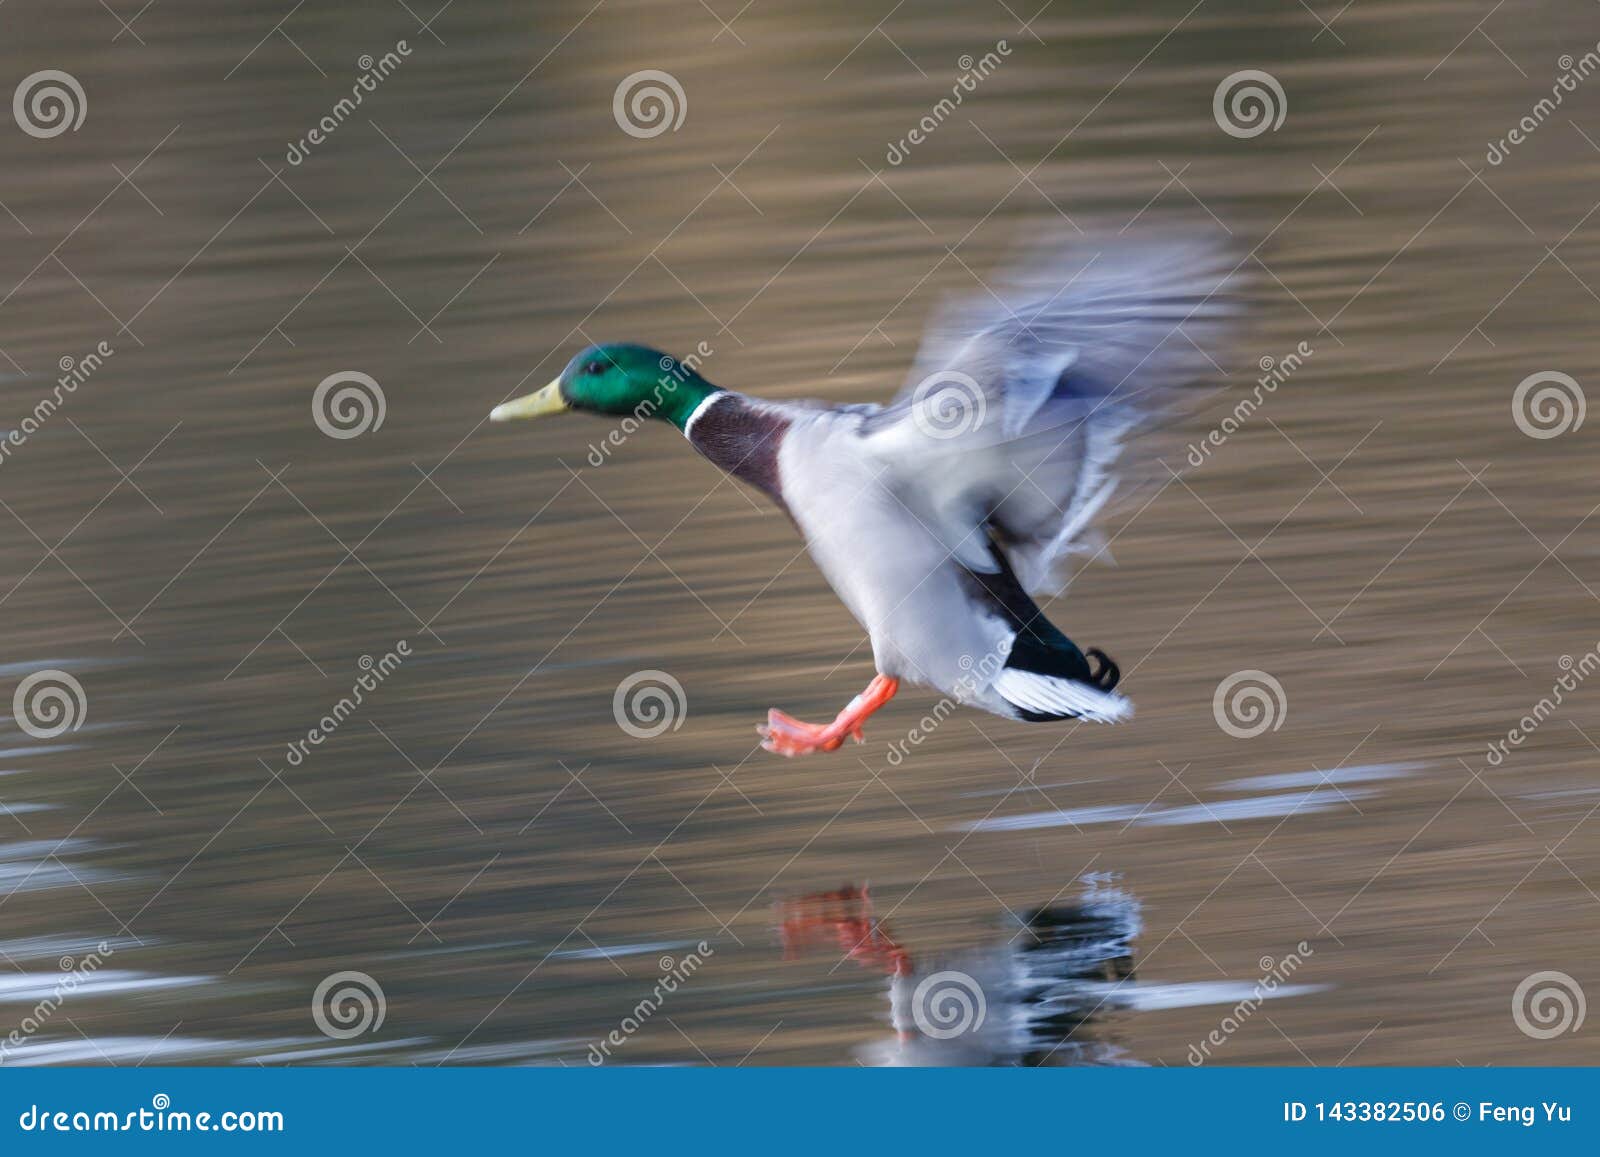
<point x="743" y="439"/>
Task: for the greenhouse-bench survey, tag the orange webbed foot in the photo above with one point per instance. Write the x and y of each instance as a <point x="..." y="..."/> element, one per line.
<point x="785" y="735"/>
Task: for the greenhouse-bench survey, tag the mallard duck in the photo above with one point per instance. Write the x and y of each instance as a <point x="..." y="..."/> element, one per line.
<point x="939" y="517"/>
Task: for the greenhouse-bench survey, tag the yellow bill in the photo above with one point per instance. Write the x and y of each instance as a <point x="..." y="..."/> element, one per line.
<point x="535" y="405"/>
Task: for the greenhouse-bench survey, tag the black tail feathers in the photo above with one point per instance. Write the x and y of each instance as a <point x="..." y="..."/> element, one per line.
<point x="1106" y="674"/>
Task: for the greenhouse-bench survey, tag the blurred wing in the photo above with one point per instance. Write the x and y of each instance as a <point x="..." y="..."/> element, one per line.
<point x="1021" y="397"/>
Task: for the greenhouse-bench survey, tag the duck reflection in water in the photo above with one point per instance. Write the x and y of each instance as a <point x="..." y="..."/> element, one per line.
<point x="1030" y="996"/>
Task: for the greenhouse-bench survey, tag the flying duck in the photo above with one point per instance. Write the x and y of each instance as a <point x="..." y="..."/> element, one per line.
<point x="939" y="517"/>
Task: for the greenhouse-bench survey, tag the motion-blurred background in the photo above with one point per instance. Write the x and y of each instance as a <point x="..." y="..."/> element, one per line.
<point x="1396" y="540"/>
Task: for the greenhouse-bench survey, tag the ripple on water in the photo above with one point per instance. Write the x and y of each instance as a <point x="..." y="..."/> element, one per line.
<point x="604" y="952"/>
<point x="1326" y="793"/>
<point x="17" y="809"/>
<point x="53" y="947"/>
<point x="324" y="1052"/>
<point x="1220" y="811"/>
<point x="117" y="1050"/>
<point x="1359" y="773"/>
<point x="1195" y="993"/>
<point x="32" y="987"/>
<point x="24" y="752"/>
<point x="36" y="866"/>
<point x="509" y="1052"/>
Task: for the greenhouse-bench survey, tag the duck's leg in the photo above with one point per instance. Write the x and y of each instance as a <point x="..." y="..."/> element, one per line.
<point x="786" y="735"/>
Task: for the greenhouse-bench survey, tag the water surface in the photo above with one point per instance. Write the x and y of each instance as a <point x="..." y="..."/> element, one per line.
<point x="481" y="838"/>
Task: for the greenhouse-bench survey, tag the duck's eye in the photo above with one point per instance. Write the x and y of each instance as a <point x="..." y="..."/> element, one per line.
<point x="594" y="368"/>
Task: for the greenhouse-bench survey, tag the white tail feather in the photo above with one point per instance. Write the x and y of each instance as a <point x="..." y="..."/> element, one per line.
<point x="1049" y="695"/>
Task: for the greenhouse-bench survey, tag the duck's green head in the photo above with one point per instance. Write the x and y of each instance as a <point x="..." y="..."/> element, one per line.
<point x="618" y="379"/>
